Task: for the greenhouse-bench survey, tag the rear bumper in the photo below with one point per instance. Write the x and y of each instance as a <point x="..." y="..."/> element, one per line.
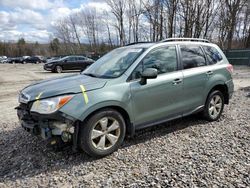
<point x="230" y="86"/>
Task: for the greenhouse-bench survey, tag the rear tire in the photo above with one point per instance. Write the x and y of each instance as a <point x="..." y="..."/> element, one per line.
<point x="214" y="106"/>
<point x="103" y="133"/>
<point x="58" y="69"/>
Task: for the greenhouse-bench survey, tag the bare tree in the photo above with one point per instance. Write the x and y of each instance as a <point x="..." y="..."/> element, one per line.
<point x="118" y="8"/>
<point x="72" y="21"/>
<point x="233" y="8"/>
<point x="64" y="33"/>
<point x="171" y="6"/>
<point x="134" y="13"/>
<point x="90" y="26"/>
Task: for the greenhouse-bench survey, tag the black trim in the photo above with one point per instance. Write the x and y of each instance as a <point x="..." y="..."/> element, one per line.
<point x="152" y="123"/>
<point x="196" y="110"/>
<point x="180" y="63"/>
<point x="75" y="136"/>
<point x="205" y="55"/>
<point x="167" y="119"/>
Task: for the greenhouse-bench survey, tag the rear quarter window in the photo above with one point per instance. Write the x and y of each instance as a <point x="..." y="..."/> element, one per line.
<point x="212" y="54"/>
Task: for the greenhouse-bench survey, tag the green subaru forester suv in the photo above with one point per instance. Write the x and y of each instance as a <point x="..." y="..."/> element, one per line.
<point x="130" y="88"/>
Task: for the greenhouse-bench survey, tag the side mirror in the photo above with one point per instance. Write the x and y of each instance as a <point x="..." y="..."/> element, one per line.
<point x="148" y="73"/>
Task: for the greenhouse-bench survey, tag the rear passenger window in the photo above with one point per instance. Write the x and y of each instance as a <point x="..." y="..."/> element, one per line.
<point x="192" y="56"/>
<point x="213" y="56"/>
<point x="81" y="58"/>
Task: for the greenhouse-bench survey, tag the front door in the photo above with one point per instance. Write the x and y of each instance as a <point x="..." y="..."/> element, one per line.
<point x="160" y="98"/>
<point x="70" y="63"/>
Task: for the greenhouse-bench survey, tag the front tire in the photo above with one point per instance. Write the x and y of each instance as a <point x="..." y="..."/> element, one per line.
<point x="58" y="69"/>
<point x="103" y="133"/>
<point x="214" y="106"/>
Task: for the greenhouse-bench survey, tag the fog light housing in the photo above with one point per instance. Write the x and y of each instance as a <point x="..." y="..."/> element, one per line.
<point x="66" y="136"/>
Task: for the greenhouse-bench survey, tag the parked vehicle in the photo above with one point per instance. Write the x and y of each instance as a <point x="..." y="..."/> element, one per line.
<point x="13" y="60"/>
<point x="68" y="63"/>
<point x="25" y="57"/>
<point x="33" y="59"/>
<point x="130" y="88"/>
<point x="3" y="59"/>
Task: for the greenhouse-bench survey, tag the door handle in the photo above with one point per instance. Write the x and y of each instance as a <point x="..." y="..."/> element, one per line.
<point x="209" y="73"/>
<point x="177" y="81"/>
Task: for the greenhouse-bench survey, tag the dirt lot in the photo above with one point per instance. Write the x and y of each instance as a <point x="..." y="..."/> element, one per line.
<point x="183" y="153"/>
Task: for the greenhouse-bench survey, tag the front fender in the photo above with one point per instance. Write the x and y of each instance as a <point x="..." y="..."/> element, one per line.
<point x="104" y="105"/>
<point x="83" y="104"/>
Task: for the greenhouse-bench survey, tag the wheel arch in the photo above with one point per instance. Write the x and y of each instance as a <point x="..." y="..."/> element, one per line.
<point x="223" y="89"/>
<point x="127" y="118"/>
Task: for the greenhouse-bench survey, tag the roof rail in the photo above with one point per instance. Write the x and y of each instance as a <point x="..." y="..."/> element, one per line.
<point x="185" y="39"/>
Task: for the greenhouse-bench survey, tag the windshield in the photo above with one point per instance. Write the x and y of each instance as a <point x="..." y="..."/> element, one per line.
<point x="114" y="64"/>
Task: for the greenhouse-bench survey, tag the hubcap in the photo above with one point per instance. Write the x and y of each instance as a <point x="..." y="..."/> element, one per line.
<point x="105" y="133"/>
<point x="215" y="106"/>
<point x="59" y="70"/>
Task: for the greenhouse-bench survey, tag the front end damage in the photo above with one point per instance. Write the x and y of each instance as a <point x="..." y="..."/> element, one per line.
<point x="57" y="128"/>
<point x="53" y="108"/>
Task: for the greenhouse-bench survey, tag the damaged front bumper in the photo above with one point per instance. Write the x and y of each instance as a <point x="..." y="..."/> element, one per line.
<point x="48" y="126"/>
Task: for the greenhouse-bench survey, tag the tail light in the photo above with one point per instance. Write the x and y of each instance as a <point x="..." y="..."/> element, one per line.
<point x="230" y="68"/>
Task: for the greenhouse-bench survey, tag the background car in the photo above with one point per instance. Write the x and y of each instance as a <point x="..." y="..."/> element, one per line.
<point x="68" y="63"/>
<point x="3" y="59"/>
<point x="15" y="60"/>
<point x="33" y="59"/>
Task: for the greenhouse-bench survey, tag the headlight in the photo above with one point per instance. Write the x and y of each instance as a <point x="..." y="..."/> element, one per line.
<point x="49" y="65"/>
<point x="50" y="105"/>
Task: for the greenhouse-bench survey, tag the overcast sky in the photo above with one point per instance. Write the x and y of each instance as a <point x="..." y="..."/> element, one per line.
<point x="34" y="19"/>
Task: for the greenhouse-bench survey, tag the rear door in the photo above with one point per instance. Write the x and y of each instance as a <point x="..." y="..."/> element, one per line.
<point x="195" y="74"/>
<point x="82" y="63"/>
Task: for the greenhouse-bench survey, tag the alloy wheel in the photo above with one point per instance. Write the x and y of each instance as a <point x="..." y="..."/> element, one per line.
<point x="105" y="133"/>
<point x="215" y="106"/>
<point x="58" y="69"/>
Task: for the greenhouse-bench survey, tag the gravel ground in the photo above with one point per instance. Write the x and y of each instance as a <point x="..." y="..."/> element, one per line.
<point x="185" y="153"/>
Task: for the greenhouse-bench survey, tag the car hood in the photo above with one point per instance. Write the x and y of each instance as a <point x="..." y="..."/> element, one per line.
<point x="52" y="61"/>
<point x="59" y="86"/>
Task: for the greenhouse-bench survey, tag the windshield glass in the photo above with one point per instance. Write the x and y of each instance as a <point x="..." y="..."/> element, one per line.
<point x="113" y="64"/>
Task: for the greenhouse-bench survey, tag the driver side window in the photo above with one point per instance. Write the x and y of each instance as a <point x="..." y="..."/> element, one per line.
<point x="164" y="59"/>
<point x="71" y="59"/>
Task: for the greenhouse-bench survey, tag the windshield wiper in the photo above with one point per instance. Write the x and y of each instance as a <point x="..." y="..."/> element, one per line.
<point x="98" y="76"/>
<point x="91" y="75"/>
